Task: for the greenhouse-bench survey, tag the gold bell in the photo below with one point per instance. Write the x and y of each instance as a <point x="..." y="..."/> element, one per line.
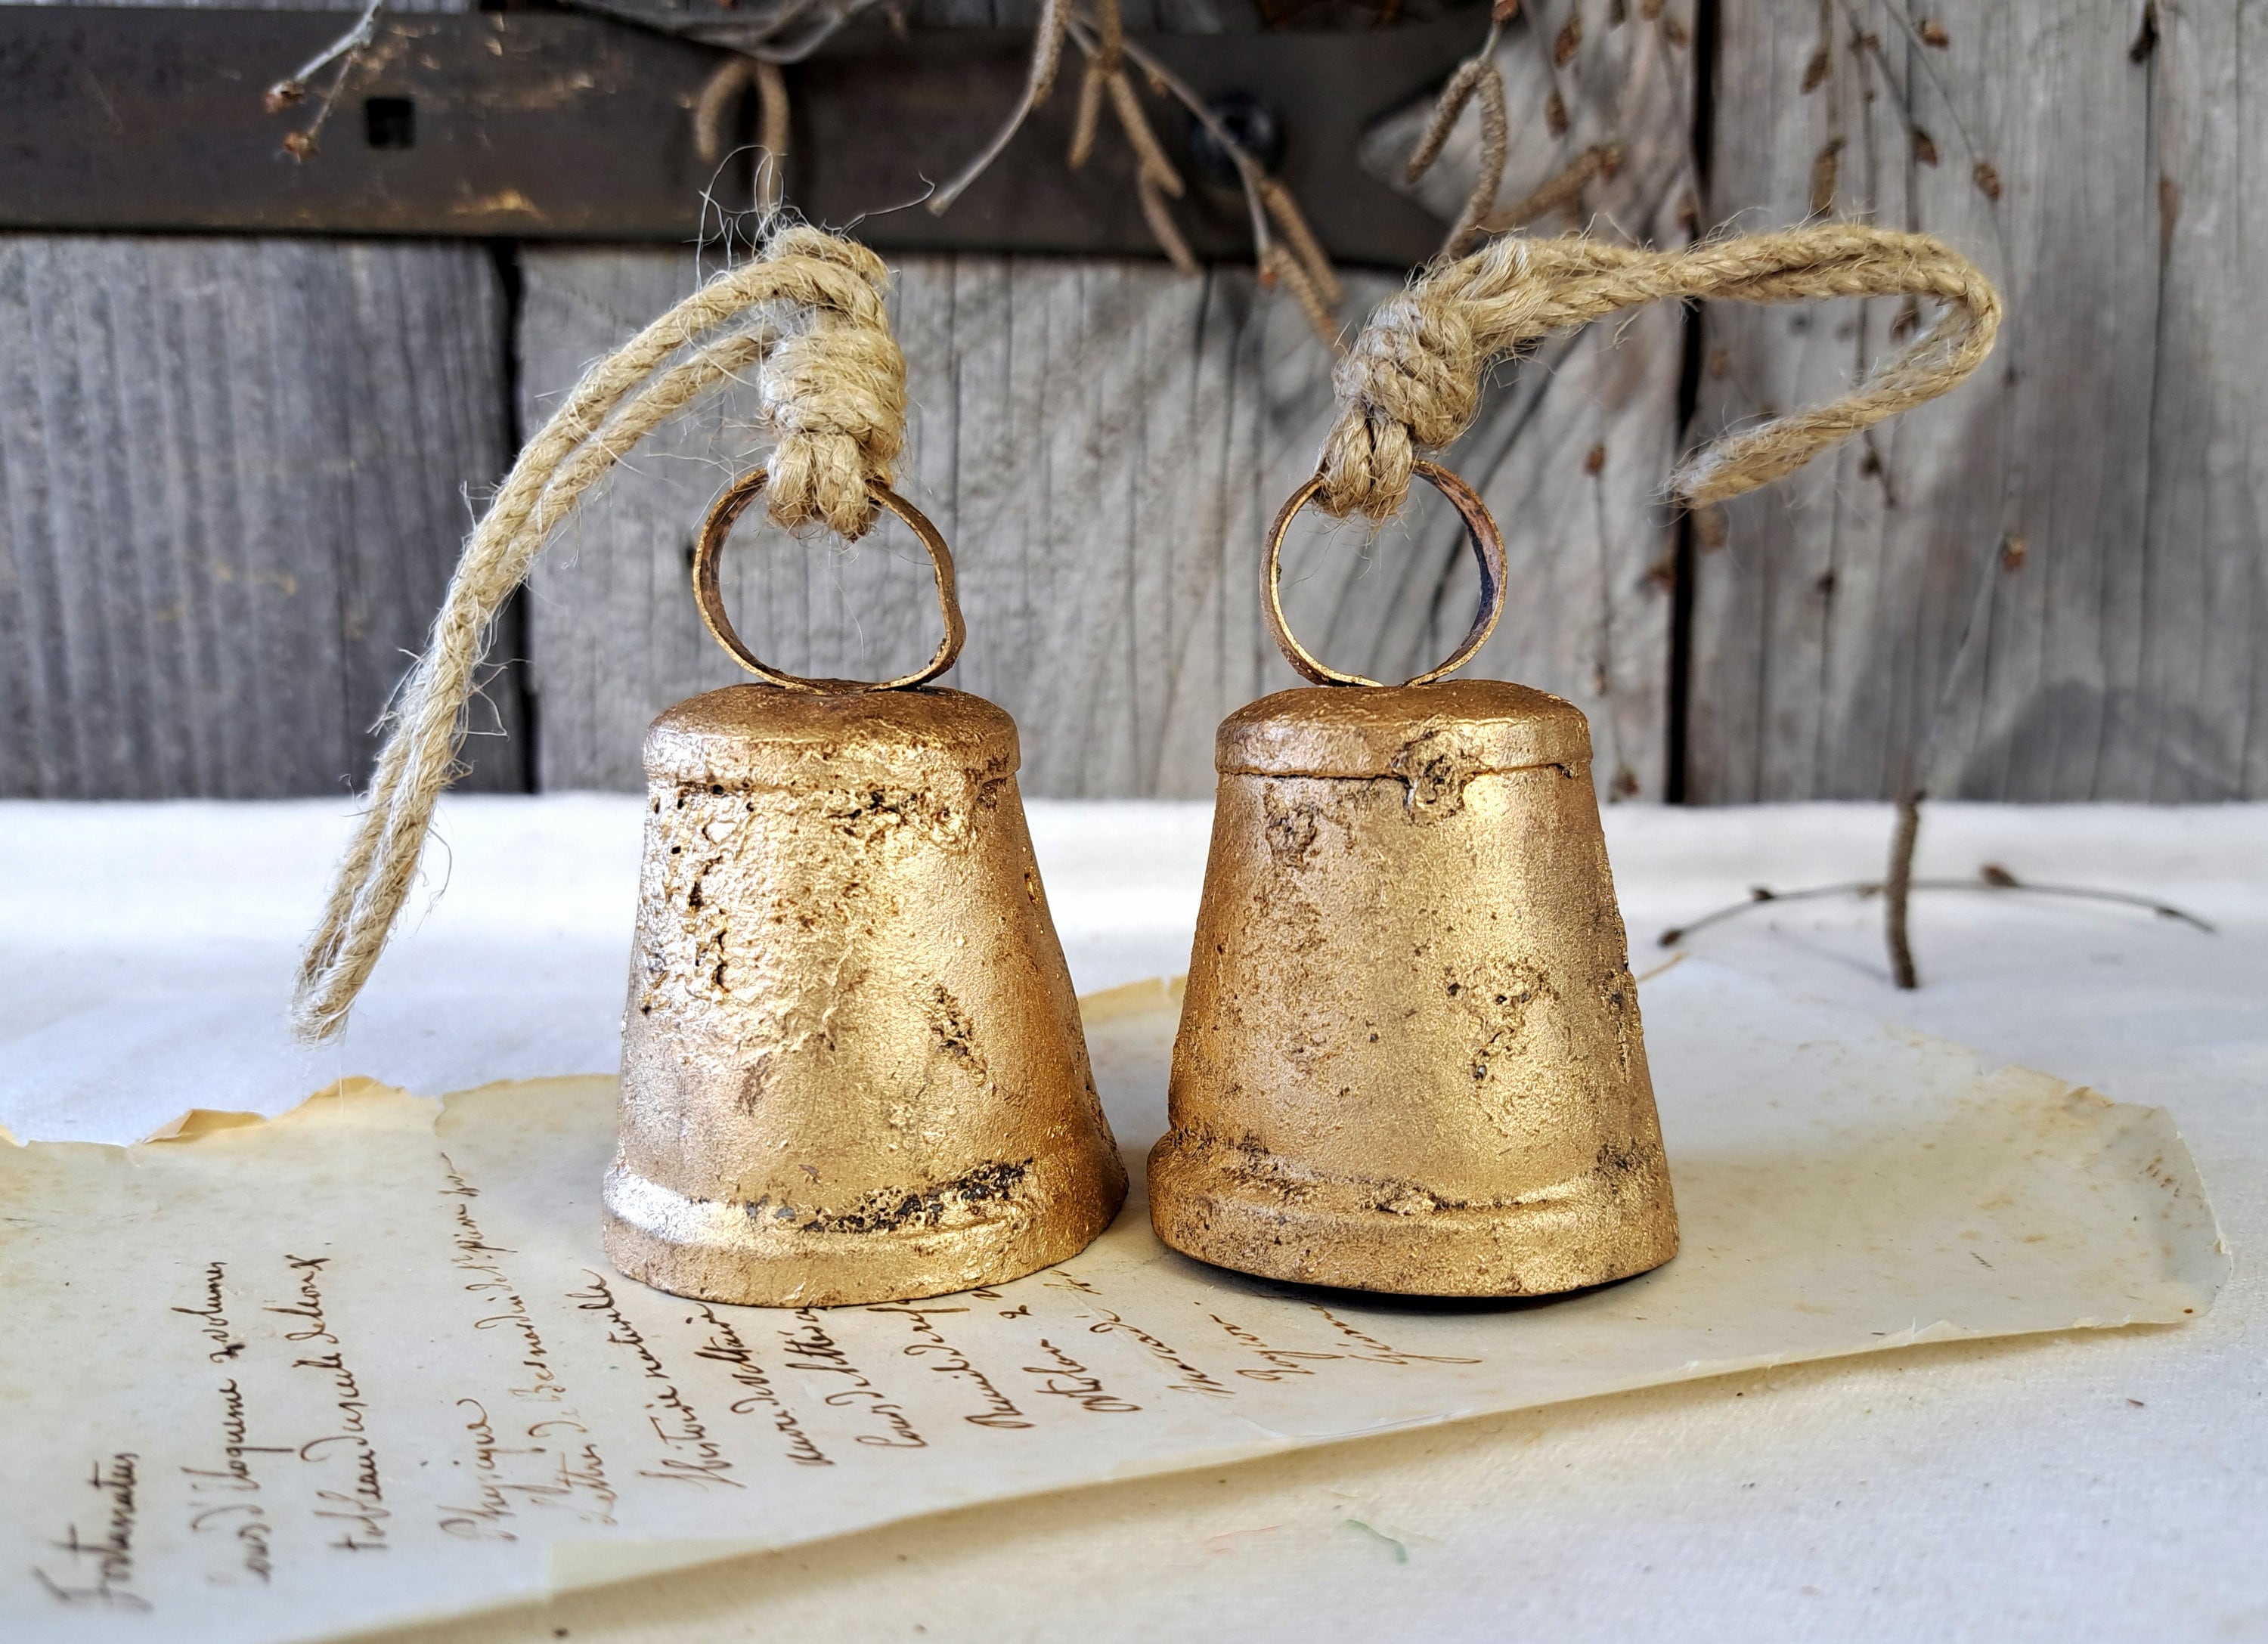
<point x="1410" y="1057"/>
<point x="852" y="1068"/>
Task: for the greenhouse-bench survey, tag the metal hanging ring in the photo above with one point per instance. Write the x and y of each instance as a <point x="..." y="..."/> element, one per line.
<point x="710" y="550"/>
<point x="1488" y="553"/>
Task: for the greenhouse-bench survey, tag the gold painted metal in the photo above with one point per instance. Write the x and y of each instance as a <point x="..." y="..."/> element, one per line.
<point x="852" y="1067"/>
<point x="1410" y="1057"/>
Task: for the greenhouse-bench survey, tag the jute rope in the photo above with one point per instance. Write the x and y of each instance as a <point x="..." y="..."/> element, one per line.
<point x="1412" y="381"/>
<point x="807" y="318"/>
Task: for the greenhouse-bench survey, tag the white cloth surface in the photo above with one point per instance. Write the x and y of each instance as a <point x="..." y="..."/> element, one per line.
<point x="2111" y="1486"/>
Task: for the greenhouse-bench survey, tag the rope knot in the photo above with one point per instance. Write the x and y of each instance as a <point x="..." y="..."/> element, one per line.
<point x="834" y="389"/>
<point x="1410" y="382"/>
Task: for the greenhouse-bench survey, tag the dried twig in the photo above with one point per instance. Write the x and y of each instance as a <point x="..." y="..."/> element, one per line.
<point x="1147" y="189"/>
<point x="1090" y="116"/>
<point x="771" y="137"/>
<point x="1149" y="154"/>
<point x="1560" y="192"/>
<point x="1897" y="890"/>
<point x="1476" y="79"/>
<point x="1248" y="171"/>
<point x="1280" y="267"/>
<point x="1299" y="263"/>
<point x="1314" y="260"/>
<point x="714" y="107"/>
<point x="294" y="86"/>
<point x="1991" y="877"/>
<point x="718" y="94"/>
<point x="1047" y="55"/>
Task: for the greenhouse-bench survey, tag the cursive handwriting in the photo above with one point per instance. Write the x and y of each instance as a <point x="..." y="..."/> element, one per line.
<point x="1068" y="1378"/>
<point x="476" y="1257"/>
<point x="361" y="1506"/>
<point x="573" y="1482"/>
<point x="1377" y="1351"/>
<point x="1282" y="1362"/>
<point x="244" y="1519"/>
<point x="725" y="1346"/>
<point x="809" y="1348"/>
<point x="551" y="1469"/>
<point x="1194" y="1380"/>
<point x="929" y="1342"/>
<point x="226" y="1346"/>
<point x="113" y="1555"/>
<point x="696" y="1458"/>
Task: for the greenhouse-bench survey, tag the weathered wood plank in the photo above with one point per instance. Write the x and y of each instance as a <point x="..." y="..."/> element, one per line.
<point x="1104" y="444"/>
<point x="1575" y="448"/>
<point x="1101" y="443"/>
<point x="2207" y="569"/>
<point x="233" y="480"/>
<point x="1987" y="598"/>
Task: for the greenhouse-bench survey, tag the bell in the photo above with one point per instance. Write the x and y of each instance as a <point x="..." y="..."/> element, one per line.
<point x="852" y="1067"/>
<point x="1410" y="1057"/>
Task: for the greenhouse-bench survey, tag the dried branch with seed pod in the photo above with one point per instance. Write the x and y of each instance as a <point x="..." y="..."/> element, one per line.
<point x="1289" y="255"/>
<point x="1477" y="80"/>
<point x="292" y="88"/>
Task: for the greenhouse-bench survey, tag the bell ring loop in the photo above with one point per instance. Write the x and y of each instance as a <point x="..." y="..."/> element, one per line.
<point x="709" y="550"/>
<point x="1488" y="553"/>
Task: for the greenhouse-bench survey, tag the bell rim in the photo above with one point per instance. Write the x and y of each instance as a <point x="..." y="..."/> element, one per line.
<point x="1549" y="1248"/>
<point x="1009" y="1241"/>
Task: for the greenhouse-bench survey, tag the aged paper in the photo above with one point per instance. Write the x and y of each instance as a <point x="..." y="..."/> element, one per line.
<point x="365" y="1363"/>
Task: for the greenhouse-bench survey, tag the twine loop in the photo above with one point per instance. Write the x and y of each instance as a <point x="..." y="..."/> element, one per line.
<point x="1412" y="381"/>
<point x="806" y="317"/>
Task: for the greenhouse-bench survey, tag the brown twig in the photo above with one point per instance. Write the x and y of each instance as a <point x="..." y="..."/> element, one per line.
<point x="1089" y="119"/>
<point x="1559" y="192"/>
<point x="1280" y="267"/>
<point x="294" y="86"/>
<point x="1897" y="891"/>
<point x="1109" y="36"/>
<point x="1102" y="60"/>
<point x="1477" y="77"/>
<point x="1149" y="154"/>
<point x="1047" y="56"/>
<point x="1446" y="108"/>
<point x="713" y="108"/>
<point x="718" y="94"/>
<point x="771" y="137"/>
<point x="1305" y="270"/>
<point x="1161" y="220"/>
<point x="1313" y="257"/>
<point x="1991" y="877"/>
<point x="1247" y="169"/>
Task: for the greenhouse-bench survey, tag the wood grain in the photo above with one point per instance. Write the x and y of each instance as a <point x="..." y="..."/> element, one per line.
<point x="1573" y="448"/>
<point x="2206" y="575"/>
<point x="234" y="476"/>
<point x="1101" y="443"/>
<point x="1104" y="444"/>
<point x="2004" y="595"/>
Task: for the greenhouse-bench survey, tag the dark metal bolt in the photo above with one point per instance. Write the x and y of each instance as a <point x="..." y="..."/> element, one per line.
<point x="1250" y="123"/>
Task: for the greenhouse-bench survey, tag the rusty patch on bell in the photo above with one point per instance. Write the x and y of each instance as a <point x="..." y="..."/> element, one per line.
<point x="900" y="1210"/>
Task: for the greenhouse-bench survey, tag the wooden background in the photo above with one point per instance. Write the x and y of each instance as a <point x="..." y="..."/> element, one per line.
<point x="234" y="472"/>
